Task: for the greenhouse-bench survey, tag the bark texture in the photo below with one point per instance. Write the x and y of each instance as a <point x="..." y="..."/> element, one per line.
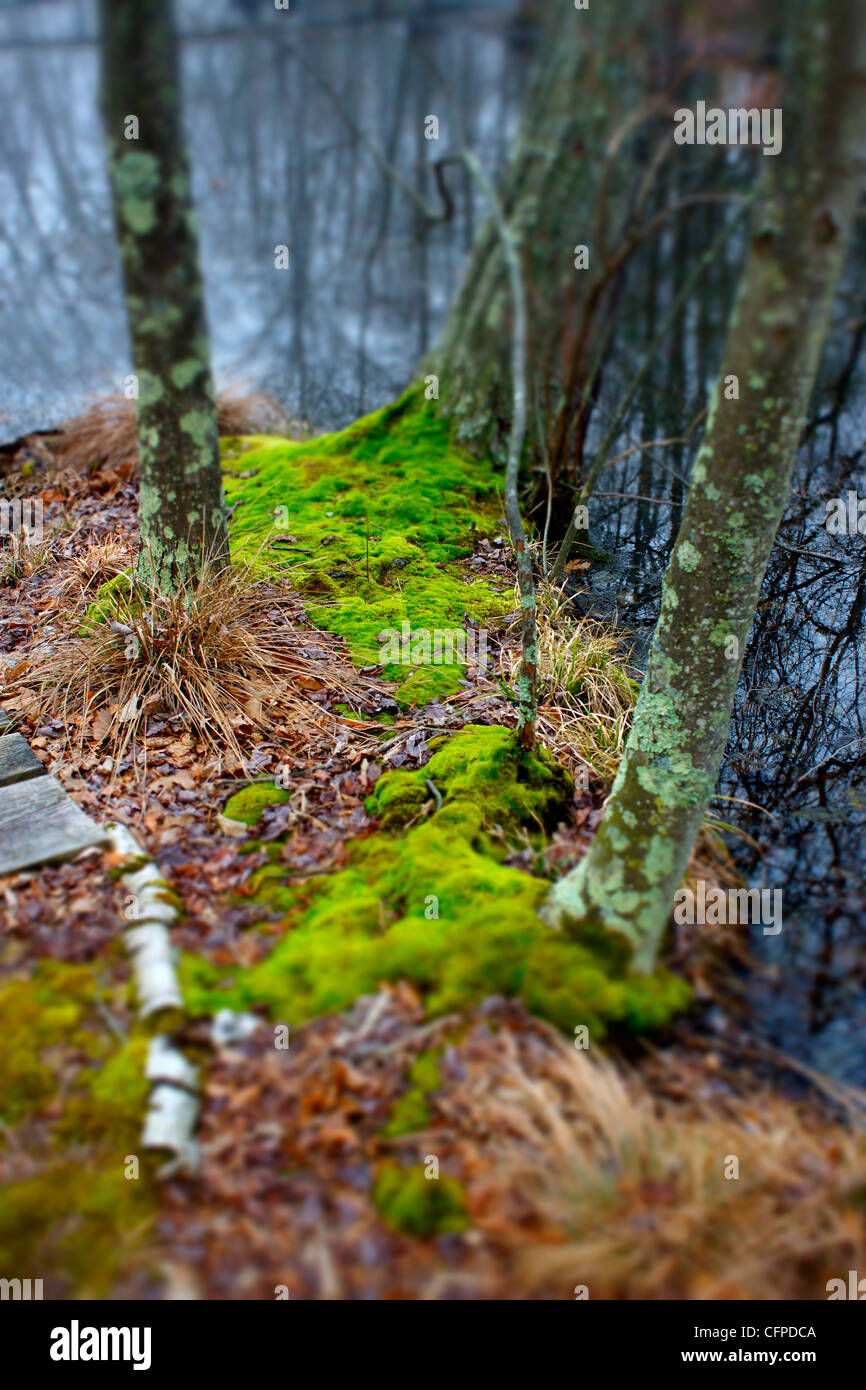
<point x="181" y="511"/>
<point x="739" y="489"/>
<point x="563" y="186"/>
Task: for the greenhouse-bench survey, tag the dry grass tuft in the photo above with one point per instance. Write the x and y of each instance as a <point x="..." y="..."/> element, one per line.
<point x="593" y="1179"/>
<point x="95" y="566"/>
<point x="106" y="432"/>
<point x="252" y="412"/>
<point x="21" y="557"/>
<point x="223" y="655"/>
<point x="585" y="690"/>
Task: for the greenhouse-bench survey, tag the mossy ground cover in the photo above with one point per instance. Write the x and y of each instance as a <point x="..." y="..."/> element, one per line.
<point x="416" y="1206"/>
<point x="428" y="899"/>
<point x="370" y="525"/>
<point x="72" y="1098"/>
<point x="379" y="518"/>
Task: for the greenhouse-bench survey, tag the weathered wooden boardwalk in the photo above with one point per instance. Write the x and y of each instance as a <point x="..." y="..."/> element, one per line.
<point x="39" y="821"/>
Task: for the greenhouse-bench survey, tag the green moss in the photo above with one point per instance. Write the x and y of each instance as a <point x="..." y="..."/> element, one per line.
<point x="248" y="804"/>
<point x="53" y="1031"/>
<point x="41" y="1014"/>
<point x="77" y="1222"/>
<point x="374" y="521"/>
<point x="419" y="1206"/>
<point x="436" y="905"/>
<point x="484" y="779"/>
<point x="428" y="683"/>
<point x="108" y="1103"/>
<point x="411" y="1112"/>
<point x="76" y="1219"/>
<point x="424" y="1072"/>
<point x="104" y="606"/>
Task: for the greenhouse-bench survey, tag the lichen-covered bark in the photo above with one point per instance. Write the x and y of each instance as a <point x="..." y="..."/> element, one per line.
<point x="181" y="512"/>
<point x="587" y="82"/>
<point x="739" y="489"/>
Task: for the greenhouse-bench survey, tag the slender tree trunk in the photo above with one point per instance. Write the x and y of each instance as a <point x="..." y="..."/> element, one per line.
<point x="181" y="512"/>
<point x="739" y="488"/>
<point x="588" y="81"/>
<point x="527" y="680"/>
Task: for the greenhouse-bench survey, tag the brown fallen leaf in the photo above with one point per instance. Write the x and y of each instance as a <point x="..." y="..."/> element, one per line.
<point x="102" y="722"/>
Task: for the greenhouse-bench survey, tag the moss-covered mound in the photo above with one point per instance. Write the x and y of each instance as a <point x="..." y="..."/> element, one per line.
<point x="485" y="781"/>
<point x="369" y="524"/>
<point x="430" y="900"/>
<point x="248" y="804"/>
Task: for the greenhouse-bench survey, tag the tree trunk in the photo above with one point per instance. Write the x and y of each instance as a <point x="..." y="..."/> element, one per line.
<point x="739" y="488"/>
<point x="555" y="196"/>
<point x="181" y="512"/>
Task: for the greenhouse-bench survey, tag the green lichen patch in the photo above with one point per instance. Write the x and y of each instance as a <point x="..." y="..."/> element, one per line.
<point x="429" y="899"/>
<point x="370" y="525"/>
<point x="417" y="1205"/>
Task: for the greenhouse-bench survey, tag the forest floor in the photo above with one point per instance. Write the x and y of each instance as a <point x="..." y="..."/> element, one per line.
<point x="560" y="1169"/>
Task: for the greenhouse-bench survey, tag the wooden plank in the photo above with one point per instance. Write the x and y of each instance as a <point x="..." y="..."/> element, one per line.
<point x="40" y="824"/>
<point x="18" y="762"/>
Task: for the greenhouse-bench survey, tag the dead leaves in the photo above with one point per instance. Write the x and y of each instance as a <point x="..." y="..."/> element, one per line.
<point x="102" y="724"/>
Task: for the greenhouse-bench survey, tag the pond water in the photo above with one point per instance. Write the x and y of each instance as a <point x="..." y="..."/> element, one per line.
<point x="293" y="121"/>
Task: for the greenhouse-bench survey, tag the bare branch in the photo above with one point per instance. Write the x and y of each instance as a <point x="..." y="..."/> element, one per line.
<point x="601" y="458"/>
